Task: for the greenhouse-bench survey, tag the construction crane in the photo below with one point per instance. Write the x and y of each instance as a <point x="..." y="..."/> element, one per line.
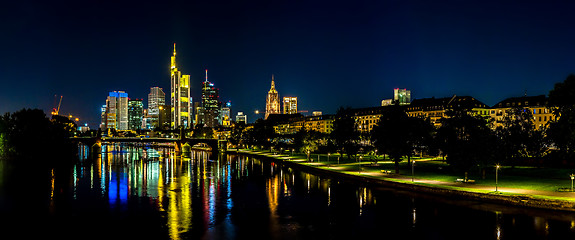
<point x="55" y="111"/>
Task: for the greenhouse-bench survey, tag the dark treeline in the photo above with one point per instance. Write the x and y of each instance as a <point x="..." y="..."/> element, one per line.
<point x="465" y="140"/>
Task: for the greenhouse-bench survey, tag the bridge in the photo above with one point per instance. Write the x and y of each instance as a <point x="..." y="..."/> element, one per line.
<point x="214" y="144"/>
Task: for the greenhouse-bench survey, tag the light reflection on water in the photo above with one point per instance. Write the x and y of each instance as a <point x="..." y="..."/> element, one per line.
<point x="238" y="197"/>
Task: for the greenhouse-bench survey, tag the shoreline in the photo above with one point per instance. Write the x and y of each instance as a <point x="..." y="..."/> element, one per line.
<point x="518" y="200"/>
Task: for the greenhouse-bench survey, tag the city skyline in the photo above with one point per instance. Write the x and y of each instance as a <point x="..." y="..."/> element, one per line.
<point x="317" y="51"/>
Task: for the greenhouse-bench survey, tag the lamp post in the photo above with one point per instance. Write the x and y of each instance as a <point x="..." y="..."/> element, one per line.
<point x="572" y="177"/>
<point x="496" y="176"/>
<point x="328" y="154"/>
<point x="360" y="157"/>
<point x="412" y="170"/>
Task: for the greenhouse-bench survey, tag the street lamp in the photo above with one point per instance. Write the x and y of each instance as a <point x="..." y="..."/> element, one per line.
<point x="572" y="177"/>
<point x="412" y="169"/>
<point x="360" y="157"/>
<point x="328" y="154"/>
<point x="496" y="176"/>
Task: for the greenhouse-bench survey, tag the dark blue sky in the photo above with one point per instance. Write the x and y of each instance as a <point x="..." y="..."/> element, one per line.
<point x="327" y="53"/>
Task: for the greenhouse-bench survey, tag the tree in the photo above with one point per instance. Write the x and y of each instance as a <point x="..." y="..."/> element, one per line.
<point x="344" y="134"/>
<point x="28" y="136"/>
<point x="236" y="134"/>
<point x="466" y="140"/>
<point x="306" y="141"/>
<point x="261" y="134"/>
<point x="516" y="133"/>
<point x="397" y="134"/>
<point x="561" y="131"/>
<point x="203" y="132"/>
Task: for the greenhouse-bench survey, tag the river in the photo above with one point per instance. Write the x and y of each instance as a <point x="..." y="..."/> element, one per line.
<point x="146" y="192"/>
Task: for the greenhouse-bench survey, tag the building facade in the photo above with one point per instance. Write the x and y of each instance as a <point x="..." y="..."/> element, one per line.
<point x="116" y="111"/>
<point x="241" y="118"/>
<point x="537" y="105"/>
<point x="436" y="108"/>
<point x="290" y="105"/>
<point x="272" y="101"/>
<point x="211" y="104"/>
<point x="164" y="117"/>
<point x="180" y="98"/>
<point x="135" y="114"/>
<point x="156" y="98"/>
<point x="401" y="96"/>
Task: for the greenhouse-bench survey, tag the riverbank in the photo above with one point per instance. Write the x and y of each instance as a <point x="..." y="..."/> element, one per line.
<point x="563" y="201"/>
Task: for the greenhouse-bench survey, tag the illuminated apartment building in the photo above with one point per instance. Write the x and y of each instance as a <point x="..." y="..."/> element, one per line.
<point x="436" y="108"/>
<point x="537" y="105"/>
<point x="180" y="97"/>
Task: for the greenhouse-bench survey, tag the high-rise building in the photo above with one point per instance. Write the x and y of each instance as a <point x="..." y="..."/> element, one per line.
<point x="402" y="96"/>
<point x="290" y="105"/>
<point x="272" y="101"/>
<point x="225" y="114"/>
<point x="180" y="97"/>
<point x="116" y="113"/>
<point x="241" y="118"/>
<point x="316" y="113"/>
<point x="156" y="98"/>
<point x="135" y="113"/>
<point x="210" y="104"/>
<point x="164" y="117"/>
<point x="103" y="117"/>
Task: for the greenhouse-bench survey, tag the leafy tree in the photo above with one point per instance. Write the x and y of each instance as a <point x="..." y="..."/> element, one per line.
<point x="397" y="134"/>
<point x="307" y="141"/>
<point x="203" y="132"/>
<point x="236" y="134"/>
<point x="28" y="136"/>
<point x="515" y="134"/>
<point x="561" y="131"/>
<point x="466" y="140"/>
<point x="344" y="134"/>
<point x="261" y="134"/>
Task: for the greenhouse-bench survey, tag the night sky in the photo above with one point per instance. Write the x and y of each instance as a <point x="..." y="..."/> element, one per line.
<point x="327" y="53"/>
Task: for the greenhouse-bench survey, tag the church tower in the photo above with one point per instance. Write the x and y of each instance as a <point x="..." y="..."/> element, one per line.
<point x="272" y="101"/>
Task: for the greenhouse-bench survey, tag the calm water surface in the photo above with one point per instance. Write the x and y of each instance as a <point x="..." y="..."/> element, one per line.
<point x="146" y="192"/>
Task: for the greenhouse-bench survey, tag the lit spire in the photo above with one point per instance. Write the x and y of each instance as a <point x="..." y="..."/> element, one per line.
<point x="273" y="84"/>
<point x="174" y="49"/>
<point x="206" y="75"/>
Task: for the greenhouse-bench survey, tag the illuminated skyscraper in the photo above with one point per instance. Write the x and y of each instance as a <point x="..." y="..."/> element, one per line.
<point x="180" y="96"/>
<point x="290" y="105"/>
<point x="402" y="96"/>
<point x="156" y="98"/>
<point x="210" y="104"/>
<point x="272" y="101"/>
<point x="117" y="110"/>
<point x="135" y="114"/>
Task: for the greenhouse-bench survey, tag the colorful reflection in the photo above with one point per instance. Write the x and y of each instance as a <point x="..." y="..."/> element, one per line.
<point x="238" y="197"/>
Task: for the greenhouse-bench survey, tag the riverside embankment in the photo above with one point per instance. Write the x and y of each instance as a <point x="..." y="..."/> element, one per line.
<point x="562" y="201"/>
